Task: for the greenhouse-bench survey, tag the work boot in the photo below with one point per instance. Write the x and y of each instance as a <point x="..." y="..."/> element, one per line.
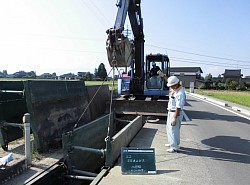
<point x="171" y="150"/>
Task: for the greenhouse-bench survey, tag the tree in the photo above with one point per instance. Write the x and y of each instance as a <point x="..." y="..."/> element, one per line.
<point x="208" y="77"/>
<point x="208" y="81"/>
<point x="19" y="74"/>
<point x="31" y="74"/>
<point x="102" y="72"/>
<point x="96" y="72"/>
<point x="89" y="76"/>
<point x="241" y="86"/>
<point x="247" y="84"/>
<point x="5" y="73"/>
<point x="231" y="84"/>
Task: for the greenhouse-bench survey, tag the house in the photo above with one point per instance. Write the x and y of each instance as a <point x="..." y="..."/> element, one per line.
<point x="187" y="75"/>
<point x="233" y="74"/>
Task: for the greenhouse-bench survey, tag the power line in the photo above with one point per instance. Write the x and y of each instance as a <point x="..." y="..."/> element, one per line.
<point x="197" y="54"/>
<point x="57" y="37"/>
<point x="100" y="12"/>
<point x="94" y="10"/>
<point x="60" y="49"/>
<point x="205" y="63"/>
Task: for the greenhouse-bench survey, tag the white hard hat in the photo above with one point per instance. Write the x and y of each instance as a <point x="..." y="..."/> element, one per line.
<point x="172" y="80"/>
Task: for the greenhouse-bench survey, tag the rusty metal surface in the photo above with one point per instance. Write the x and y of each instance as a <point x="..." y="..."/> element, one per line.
<point x="55" y="106"/>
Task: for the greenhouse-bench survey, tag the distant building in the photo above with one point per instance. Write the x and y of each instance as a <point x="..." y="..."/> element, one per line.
<point x="48" y="75"/>
<point x="233" y="74"/>
<point x="68" y="76"/>
<point x="81" y="74"/>
<point x="187" y="75"/>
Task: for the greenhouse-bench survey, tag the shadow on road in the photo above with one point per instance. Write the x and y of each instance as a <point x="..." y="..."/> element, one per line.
<point x="225" y="148"/>
<point x="166" y="171"/>
<point x="213" y="116"/>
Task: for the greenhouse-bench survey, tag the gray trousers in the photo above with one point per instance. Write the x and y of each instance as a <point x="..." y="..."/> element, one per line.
<point x="173" y="132"/>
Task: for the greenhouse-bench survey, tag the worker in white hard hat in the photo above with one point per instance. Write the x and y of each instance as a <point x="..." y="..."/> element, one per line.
<point x="177" y="99"/>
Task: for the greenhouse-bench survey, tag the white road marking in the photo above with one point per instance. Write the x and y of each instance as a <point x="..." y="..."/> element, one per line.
<point x="185" y="116"/>
<point x="223" y="108"/>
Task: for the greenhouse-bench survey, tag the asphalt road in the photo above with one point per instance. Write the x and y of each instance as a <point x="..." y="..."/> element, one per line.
<point x="215" y="150"/>
<point x="222" y="139"/>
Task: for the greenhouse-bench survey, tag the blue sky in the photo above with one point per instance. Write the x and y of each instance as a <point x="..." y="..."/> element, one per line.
<point x="69" y="35"/>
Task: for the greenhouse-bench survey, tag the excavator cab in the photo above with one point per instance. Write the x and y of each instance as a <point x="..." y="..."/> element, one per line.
<point x="154" y="100"/>
<point x="154" y="84"/>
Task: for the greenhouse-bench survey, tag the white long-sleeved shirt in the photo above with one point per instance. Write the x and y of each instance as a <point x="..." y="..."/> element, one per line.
<point x="177" y="100"/>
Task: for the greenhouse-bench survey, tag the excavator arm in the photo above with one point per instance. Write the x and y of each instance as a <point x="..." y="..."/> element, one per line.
<point x="122" y="51"/>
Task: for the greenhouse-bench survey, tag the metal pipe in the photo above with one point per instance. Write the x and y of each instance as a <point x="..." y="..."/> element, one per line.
<point x="84" y="173"/>
<point x="77" y="177"/>
<point x="123" y="120"/>
<point x="85" y="149"/>
<point x="26" y="121"/>
<point x="13" y="124"/>
<point x="26" y="125"/>
<point x="12" y="91"/>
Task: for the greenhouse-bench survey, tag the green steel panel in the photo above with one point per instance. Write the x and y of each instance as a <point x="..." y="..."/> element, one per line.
<point x="123" y="138"/>
<point x="91" y="135"/>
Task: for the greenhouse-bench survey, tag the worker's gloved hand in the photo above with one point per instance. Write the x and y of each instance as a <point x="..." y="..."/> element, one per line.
<point x="160" y="73"/>
<point x="173" y="121"/>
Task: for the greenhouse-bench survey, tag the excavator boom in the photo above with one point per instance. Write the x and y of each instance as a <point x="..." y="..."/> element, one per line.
<point x="142" y="98"/>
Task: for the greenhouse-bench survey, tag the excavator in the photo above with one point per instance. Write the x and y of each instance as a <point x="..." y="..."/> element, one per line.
<point x="140" y="93"/>
<point x="92" y="149"/>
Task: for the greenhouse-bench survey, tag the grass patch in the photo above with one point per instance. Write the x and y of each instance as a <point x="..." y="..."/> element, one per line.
<point x="109" y="83"/>
<point x="238" y="97"/>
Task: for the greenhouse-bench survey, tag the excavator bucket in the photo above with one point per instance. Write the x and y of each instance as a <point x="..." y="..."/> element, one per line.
<point x="122" y="55"/>
<point x="120" y="50"/>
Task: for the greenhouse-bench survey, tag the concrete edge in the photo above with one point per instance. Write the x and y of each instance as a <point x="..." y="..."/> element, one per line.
<point x="244" y="111"/>
<point x="10" y="172"/>
<point x="209" y="99"/>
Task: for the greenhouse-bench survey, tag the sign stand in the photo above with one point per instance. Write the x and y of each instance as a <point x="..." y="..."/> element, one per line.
<point x="138" y="161"/>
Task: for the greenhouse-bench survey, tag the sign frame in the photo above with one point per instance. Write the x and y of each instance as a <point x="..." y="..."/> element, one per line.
<point x="138" y="161"/>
